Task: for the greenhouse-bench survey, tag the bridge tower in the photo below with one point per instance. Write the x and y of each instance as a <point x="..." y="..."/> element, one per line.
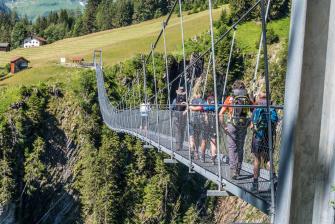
<point x="307" y="154"/>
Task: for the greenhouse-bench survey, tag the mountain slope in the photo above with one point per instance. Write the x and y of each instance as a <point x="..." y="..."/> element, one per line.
<point x="117" y="45"/>
<point x="41" y="7"/>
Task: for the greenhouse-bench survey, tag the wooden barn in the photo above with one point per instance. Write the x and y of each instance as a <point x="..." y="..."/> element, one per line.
<point x="5" y="47"/>
<point x="77" y="60"/>
<point x="18" y="64"/>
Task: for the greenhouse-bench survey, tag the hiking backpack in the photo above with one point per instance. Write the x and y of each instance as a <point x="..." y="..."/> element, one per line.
<point x="260" y="121"/>
<point x="180" y="99"/>
<point x="240" y="114"/>
<point x="211" y="104"/>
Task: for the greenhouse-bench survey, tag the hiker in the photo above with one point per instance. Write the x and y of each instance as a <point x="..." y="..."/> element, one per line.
<point x="236" y="127"/>
<point x="179" y="106"/>
<point x="259" y="145"/>
<point x="210" y="130"/>
<point x="144" y="112"/>
<point x="197" y="125"/>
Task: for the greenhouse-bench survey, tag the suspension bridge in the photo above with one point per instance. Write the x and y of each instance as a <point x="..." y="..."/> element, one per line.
<point x="161" y="130"/>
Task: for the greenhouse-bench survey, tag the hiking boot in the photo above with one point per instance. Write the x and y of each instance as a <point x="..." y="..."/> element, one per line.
<point x="196" y="156"/>
<point x="233" y="174"/>
<point x="254" y="187"/>
<point x="275" y="183"/>
<point x="203" y="157"/>
<point x="213" y="160"/>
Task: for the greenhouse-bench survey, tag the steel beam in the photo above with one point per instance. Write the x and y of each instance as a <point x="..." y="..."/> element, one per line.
<point x="307" y="151"/>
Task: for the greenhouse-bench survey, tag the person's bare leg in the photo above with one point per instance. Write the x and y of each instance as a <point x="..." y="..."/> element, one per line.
<point x="203" y="147"/>
<point x="193" y="145"/>
<point x="257" y="162"/>
<point x="213" y="150"/>
<point x="213" y="147"/>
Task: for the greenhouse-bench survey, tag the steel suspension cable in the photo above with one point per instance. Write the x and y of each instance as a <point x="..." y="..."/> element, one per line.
<point x="268" y="104"/>
<point x="205" y="84"/>
<point x="168" y="86"/>
<point x="215" y="95"/>
<point x="260" y="48"/>
<point x="145" y="97"/>
<point x="166" y="22"/>
<point x="155" y="87"/>
<point x="242" y="18"/>
<point x="228" y="67"/>
<point x="185" y="80"/>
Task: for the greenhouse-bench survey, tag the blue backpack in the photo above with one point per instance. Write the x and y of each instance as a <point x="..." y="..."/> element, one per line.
<point x="260" y="121"/>
<point x="210" y="107"/>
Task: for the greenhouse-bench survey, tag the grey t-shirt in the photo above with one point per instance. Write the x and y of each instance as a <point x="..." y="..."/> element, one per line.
<point x="196" y="116"/>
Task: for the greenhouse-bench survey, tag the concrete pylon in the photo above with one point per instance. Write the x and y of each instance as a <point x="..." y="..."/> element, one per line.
<point x="307" y="153"/>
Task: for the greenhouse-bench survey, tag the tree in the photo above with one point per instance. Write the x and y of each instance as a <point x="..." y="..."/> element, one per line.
<point x="34" y="168"/>
<point x="90" y="15"/>
<point x="19" y="33"/>
<point x="125" y="10"/>
<point x="105" y="15"/>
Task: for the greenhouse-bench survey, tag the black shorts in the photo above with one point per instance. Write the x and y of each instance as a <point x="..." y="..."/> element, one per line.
<point x="260" y="147"/>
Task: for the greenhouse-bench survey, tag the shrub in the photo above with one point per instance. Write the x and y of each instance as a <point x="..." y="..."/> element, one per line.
<point x="271" y="38"/>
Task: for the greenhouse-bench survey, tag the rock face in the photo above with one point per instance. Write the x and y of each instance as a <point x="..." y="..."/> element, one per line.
<point x="7" y="214"/>
<point x="234" y="210"/>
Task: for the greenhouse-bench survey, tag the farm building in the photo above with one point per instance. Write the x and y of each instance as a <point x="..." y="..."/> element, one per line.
<point x="4" y="47"/>
<point x="78" y="60"/>
<point x="34" y="42"/>
<point x="18" y="64"/>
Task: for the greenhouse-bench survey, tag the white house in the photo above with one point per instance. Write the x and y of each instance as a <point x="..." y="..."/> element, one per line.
<point x="34" y="42"/>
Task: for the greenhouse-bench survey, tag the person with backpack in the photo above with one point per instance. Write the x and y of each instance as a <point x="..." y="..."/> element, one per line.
<point x="210" y="129"/>
<point x="179" y="106"/>
<point x="144" y="112"/>
<point x="197" y="125"/>
<point x="260" y="146"/>
<point x="236" y="127"/>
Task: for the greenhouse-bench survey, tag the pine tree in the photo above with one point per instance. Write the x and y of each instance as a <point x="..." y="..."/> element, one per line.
<point x="90" y="15"/>
<point x="34" y="168"/>
<point x="19" y="33"/>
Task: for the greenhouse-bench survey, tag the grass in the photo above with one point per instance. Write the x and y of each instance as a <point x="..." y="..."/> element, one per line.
<point x="249" y="33"/>
<point x="51" y="73"/>
<point x="32" y="9"/>
<point x="117" y="45"/>
<point x="7" y="97"/>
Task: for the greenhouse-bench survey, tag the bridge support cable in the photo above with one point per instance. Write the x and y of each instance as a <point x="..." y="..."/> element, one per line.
<point x="260" y="48"/>
<point x="185" y="83"/>
<point x="206" y="77"/>
<point x="145" y="97"/>
<point x="268" y="104"/>
<point x="155" y="89"/>
<point x="228" y="66"/>
<point x="215" y="95"/>
<point x="168" y="87"/>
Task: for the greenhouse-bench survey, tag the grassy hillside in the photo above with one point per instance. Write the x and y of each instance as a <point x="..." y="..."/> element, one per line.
<point x="249" y="33"/>
<point x="34" y="8"/>
<point x="118" y="44"/>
